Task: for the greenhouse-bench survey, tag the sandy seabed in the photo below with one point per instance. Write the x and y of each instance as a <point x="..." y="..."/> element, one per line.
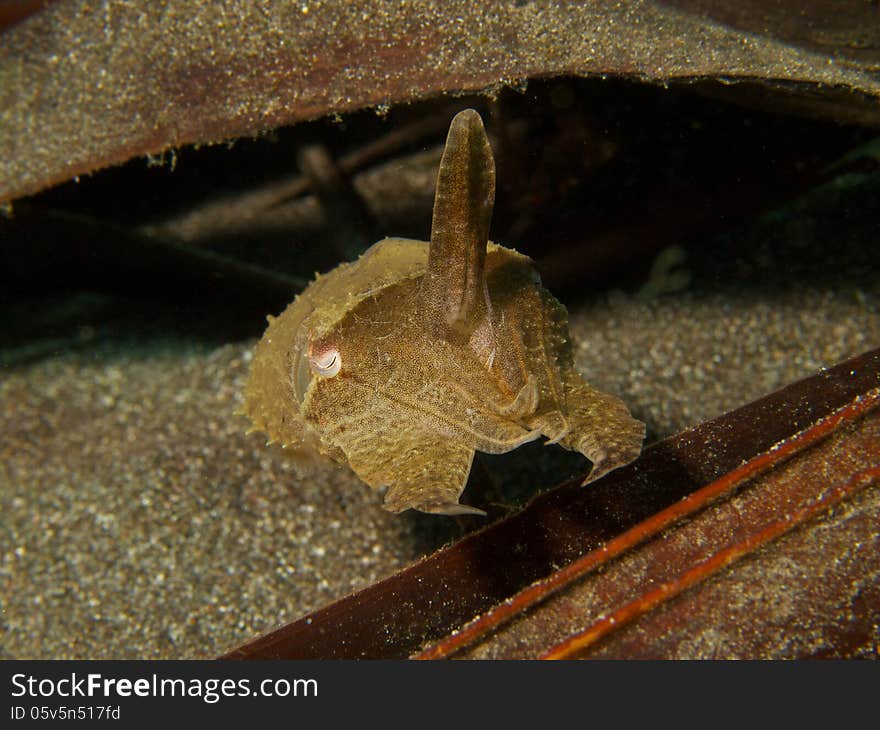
<point x="139" y="521"/>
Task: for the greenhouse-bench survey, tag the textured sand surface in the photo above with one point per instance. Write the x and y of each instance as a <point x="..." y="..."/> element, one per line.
<point x="138" y="521"/>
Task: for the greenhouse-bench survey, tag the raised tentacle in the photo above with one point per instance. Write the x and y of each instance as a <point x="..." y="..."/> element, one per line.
<point x="453" y="288"/>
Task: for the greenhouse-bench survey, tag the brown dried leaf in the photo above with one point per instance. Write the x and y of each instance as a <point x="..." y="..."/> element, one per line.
<point x="85" y="85"/>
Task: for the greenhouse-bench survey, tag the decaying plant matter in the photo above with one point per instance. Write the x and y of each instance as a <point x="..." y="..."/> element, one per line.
<point x="405" y="362"/>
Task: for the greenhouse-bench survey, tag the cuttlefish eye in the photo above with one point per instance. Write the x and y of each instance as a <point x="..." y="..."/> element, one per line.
<point x="325" y="363"/>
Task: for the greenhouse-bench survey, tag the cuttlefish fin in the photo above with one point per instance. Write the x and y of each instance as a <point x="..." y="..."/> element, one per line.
<point x="454" y="288"/>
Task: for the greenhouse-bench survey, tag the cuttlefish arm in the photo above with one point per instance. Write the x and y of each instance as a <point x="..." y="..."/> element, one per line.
<point x="453" y="288"/>
<point x="430" y="477"/>
<point x="421" y="470"/>
<point x="602" y="428"/>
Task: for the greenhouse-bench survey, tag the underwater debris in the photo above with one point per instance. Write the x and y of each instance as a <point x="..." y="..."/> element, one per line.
<point x="403" y="363"/>
<point x="755" y="467"/>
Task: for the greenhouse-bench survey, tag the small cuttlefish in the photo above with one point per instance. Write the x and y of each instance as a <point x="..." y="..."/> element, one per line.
<point x="403" y="363"/>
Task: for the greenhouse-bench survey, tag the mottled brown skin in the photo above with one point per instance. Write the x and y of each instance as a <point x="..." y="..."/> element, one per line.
<point x="404" y="362"/>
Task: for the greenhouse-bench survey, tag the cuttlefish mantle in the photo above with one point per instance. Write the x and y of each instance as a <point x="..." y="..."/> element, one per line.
<point x="405" y="362"/>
